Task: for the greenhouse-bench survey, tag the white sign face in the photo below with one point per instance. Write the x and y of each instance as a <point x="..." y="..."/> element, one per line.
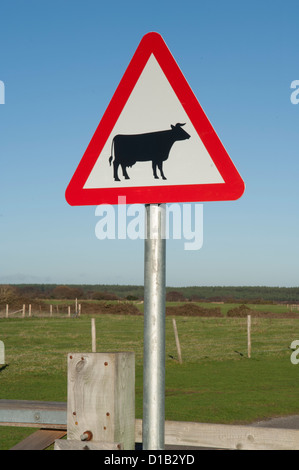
<point x="153" y="106"/>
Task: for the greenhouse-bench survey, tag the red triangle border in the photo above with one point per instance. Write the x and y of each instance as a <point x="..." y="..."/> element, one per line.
<point x="233" y="186"/>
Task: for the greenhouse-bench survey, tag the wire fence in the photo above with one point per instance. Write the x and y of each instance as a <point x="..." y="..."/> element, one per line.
<point x="40" y="311"/>
<point x="195" y="338"/>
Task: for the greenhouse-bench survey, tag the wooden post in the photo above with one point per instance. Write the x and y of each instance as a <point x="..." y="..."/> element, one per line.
<point x="177" y="341"/>
<point x="93" y="336"/>
<point x="2" y="353"/>
<point x="51" y="310"/>
<point x="24" y="309"/>
<point x="249" y="335"/>
<point x="69" y="311"/>
<point x="6" y="311"/>
<point x="101" y="397"/>
<point x="76" y="307"/>
<point x="79" y="311"/>
<point x="29" y="310"/>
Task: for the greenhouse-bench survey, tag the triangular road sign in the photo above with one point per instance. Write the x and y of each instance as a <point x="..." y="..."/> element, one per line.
<point x="154" y="143"/>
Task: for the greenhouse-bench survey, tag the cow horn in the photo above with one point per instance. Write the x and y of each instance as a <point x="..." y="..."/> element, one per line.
<point x="178" y="124"/>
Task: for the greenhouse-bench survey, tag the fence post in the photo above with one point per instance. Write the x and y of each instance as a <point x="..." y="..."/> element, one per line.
<point x="24" y="308"/>
<point x="29" y="310"/>
<point x="93" y="336"/>
<point x="69" y="311"/>
<point x="51" y="310"/>
<point x="101" y="398"/>
<point x="249" y="336"/>
<point x="2" y="353"/>
<point x="6" y="311"/>
<point x="177" y="341"/>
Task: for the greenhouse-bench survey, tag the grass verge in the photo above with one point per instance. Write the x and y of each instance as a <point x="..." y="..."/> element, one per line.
<point x="216" y="382"/>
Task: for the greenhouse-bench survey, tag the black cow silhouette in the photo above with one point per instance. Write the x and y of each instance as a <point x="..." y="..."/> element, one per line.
<point x="152" y="146"/>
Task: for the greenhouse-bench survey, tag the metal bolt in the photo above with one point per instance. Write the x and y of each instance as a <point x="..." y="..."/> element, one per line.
<point x="86" y="436"/>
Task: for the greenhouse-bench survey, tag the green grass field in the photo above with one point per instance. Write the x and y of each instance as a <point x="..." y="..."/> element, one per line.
<point x="216" y="382"/>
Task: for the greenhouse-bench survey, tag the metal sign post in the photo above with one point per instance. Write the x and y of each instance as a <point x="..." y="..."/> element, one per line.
<point x="154" y="328"/>
<point x="144" y="122"/>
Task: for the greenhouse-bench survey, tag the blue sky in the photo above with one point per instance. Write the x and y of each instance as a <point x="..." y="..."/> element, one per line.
<point x="61" y="62"/>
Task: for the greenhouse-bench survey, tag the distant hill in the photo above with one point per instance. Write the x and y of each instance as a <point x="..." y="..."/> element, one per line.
<point x="245" y="294"/>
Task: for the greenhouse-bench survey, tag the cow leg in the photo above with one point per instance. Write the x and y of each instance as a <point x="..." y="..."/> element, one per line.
<point x="154" y="166"/>
<point x="126" y="176"/>
<point x="115" y="167"/>
<point x="160" y="166"/>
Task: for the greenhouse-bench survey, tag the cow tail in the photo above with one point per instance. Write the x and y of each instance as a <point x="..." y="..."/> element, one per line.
<point x="111" y="157"/>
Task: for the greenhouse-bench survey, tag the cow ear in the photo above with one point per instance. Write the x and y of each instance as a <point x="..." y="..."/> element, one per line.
<point x="172" y="127"/>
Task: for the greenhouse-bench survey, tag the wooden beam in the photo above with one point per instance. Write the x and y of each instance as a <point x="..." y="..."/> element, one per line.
<point x="39" y="440"/>
<point x="69" y="444"/>
<point x="178" y="433"/>
<point x="226" y="436"/>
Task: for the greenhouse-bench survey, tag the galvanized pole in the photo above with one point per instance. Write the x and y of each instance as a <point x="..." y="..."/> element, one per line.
<point x="154" y="328"/>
